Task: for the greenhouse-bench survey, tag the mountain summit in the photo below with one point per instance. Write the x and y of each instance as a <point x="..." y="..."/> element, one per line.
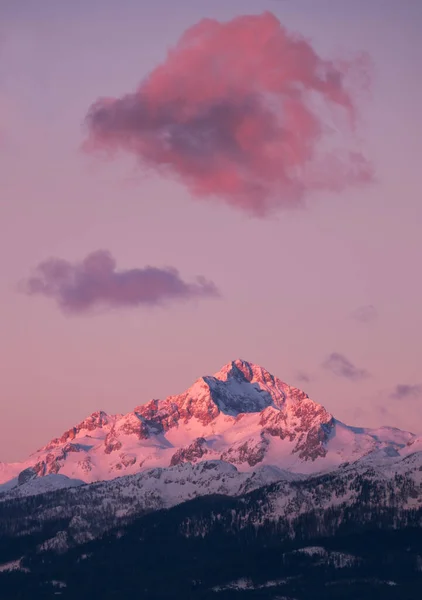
<point x="242" y="414"/>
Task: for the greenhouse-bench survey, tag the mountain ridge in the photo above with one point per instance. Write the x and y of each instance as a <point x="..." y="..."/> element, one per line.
<point x="242" y="415"/>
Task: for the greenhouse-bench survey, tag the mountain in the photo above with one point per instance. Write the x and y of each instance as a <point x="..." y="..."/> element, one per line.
<point x="242" y="415"/>
<point x="248" y="488"/>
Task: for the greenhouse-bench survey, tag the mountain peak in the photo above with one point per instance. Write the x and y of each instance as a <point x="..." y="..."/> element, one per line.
<point x="243" y="370"/>
<point x="244" y="387"/>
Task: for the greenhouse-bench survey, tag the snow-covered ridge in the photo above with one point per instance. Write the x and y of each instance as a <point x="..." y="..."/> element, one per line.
<point x="94" y="508"/>
<point x="242" y="415"/>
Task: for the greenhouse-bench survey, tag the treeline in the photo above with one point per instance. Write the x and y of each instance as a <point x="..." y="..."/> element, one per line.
<point x="186" y="551"/>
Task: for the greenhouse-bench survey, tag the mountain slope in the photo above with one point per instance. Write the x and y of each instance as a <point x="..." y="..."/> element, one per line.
<point x="352" y="533"/>
<point x="71" y="516"/>
<point x="242" y="415"/>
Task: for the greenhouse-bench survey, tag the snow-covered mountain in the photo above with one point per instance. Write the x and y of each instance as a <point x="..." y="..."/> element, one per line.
<point x="242" y="415"/>
<point x="248" y="484"/>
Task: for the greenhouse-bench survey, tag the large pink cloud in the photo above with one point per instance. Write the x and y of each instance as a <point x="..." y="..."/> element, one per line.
<point x="243" y="111"/>
<point x="96" y="283"/>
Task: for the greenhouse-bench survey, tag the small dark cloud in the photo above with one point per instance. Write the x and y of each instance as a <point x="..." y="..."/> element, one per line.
<point x="303" y="377"/>
<point x="404" y="391"/>
<point x="342" y="367"/>
<point x="383" y="410"/>
<point x="365" y="314"/>
<point x="96" y="283"/>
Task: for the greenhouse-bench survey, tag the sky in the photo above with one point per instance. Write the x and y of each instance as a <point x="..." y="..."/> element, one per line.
<point x="169" y="204"/>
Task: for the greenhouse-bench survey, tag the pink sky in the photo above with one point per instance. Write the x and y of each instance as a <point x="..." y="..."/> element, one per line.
<point x="326" y="297"/>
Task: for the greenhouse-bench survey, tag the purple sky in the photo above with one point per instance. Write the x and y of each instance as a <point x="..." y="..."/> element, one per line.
<point x="328" y="297"/>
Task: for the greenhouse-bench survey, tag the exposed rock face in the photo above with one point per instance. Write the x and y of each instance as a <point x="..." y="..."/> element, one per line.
<point x="72" y="448"/>
<point x="196" y="403"/>
<point x="26" y="475"/>
<point x="192" y="453"/>
<point x="159" y="415"/>
<point x="111" y="443"/>
<point x="51" y="464"/>
<point x="128" y="459"/>
<point x="133" y="424"/>
<point x="305" y="423"/>
<point x="311" y="444"/>
<point x="251" y="451"/>
<point x="85" y="465"/>
<point x="95" y="421"/>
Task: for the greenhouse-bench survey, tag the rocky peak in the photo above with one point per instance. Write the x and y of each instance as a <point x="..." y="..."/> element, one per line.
<point x="242" y="370"/>
<point x="243" y="387"/>
<point x="262" y="410"/>
<point x="96" y="420"/>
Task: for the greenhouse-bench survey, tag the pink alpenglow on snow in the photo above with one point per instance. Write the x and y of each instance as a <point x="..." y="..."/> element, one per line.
<point x="95" y="282"/>
<point x="242" y="415"/>
<point x="243" y="111"/>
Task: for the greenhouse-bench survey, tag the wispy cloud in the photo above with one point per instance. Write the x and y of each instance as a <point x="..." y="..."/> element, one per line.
<point x="342" y="367"/>
<point x="365" y="314"/>
<point x="242" y="111"/>
<point x="303" y="377"/>
<point x="404" y="391"/>
<point x="96" y="283"/>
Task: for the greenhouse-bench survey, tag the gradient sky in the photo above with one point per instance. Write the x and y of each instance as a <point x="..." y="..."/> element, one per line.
<point x="327" y="297"/>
